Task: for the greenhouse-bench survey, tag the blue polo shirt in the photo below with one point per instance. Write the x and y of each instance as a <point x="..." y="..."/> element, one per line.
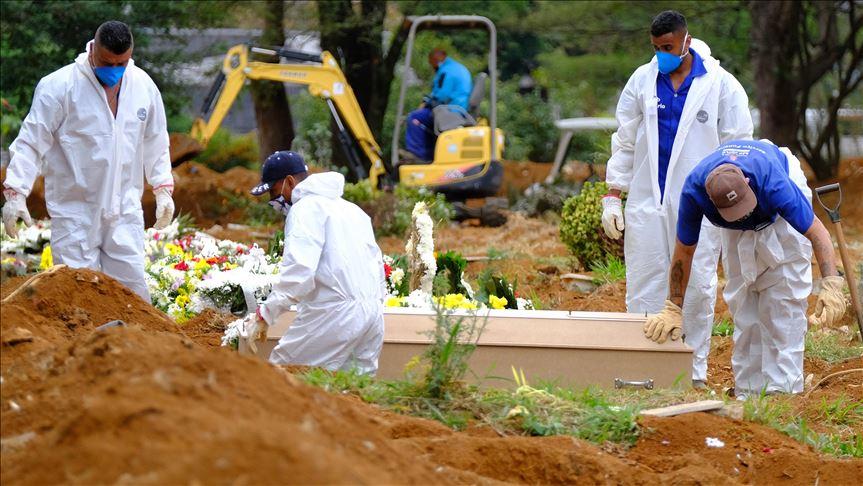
<point x="767" y="169"/>
<point x="669" y="109"/>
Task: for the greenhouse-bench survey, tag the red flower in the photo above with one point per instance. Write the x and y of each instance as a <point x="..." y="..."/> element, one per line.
<point x="387" y="270"/>
<point x="240" y="250"/>
<point x="182" y="266"/>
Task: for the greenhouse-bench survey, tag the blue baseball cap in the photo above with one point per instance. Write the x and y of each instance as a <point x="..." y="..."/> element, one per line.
<point x="278" y="166"/>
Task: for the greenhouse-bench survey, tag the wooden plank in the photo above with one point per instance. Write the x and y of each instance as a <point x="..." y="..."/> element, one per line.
<point x="700" y="406"/>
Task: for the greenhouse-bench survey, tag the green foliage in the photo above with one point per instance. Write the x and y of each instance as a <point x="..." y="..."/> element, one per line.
<point x="724" y="327"/>
<point x="314" y="132"/>
<point x="528" y="124"/>
<point x="233" y="301"/>
<point x="39" y="37"/>
<point x="830" y="346"/>
<point x="581" y="228"/>
<point x="359" y="192"/>
<point x="276" y="245"/>
<point x="227" y="150"/>
<point x="489" y="284"/>
<point x="611" y="271"/>
<point x="453" y="342"/>
<point x="451" y="266"/>
<point x="842" y="410"/>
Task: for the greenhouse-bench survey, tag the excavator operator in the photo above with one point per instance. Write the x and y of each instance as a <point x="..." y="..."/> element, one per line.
<point x="451" y="86"/>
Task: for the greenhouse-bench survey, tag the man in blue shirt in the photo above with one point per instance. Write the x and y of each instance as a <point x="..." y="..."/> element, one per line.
<point x="674" y="111"/>
<point x="757" y="193"/>
<point x="451" y="86"/>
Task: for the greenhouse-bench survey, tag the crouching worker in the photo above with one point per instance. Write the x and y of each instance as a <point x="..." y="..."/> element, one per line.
<point x="757" y="194"/>
<point x="332" y="269"/>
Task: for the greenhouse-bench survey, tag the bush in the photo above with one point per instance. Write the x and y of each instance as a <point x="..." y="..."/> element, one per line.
<point x="581" y="227"/>
<point x="528" y="125"/>
<point x="391" y="212"/>
<point x="226" y="150"/>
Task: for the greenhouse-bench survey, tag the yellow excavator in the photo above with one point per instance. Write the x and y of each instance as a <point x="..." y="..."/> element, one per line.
<point x="467" y="157"/>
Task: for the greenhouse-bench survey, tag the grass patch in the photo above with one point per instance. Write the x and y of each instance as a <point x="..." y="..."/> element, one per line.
<point x="723" y="327"/>
<point x="844" y="439"/>
<point x="831" y="347"/>
<point x="611" y="271"/>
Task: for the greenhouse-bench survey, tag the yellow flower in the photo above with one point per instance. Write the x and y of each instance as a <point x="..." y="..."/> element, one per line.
<point x="497" y="302"/>
<point x="229" y="266"/>
<point x="8" y="260"/>
<point x="394" y="301"/>
<point x="182" y="300"/>
<point x="456" y="301"/>
<point x="47" y="260"/>
<point x="174" y="249"/>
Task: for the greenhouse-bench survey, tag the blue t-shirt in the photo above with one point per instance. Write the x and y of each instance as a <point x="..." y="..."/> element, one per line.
<point x="669" y="109"/>
<point x="451" y="85"/>
<point x="767" y="169"/>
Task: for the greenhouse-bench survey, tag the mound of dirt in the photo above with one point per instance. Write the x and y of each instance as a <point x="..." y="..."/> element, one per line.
<point x="146" y="404"/>
<point x="55" y="306"/>
<point x="751" y="453"/>
<point x="208" y="327"/>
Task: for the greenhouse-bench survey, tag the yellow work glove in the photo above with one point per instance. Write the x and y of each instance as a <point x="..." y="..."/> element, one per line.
<point x="830" y="306"/>
<point x="668" y="323"/>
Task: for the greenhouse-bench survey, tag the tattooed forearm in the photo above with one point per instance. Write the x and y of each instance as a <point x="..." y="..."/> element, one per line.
<point x="822" y="247"/>
<point x="678" y="277"/>
<point x="675" y="282"/>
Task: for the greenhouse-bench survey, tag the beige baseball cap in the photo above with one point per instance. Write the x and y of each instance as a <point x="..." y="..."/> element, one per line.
<point x="728" y="190"/>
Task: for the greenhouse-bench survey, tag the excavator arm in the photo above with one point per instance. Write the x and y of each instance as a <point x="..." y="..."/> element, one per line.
<point x="324" y="79"/>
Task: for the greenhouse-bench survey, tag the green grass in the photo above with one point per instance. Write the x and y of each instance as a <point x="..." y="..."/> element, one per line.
<point x="611" y="271"/>
<point x="723" y="327"/>
<point x="831" y="347"/>
<point x="845" y="416"/>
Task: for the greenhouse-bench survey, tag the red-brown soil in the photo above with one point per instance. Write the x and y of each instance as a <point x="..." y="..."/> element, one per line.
<point x="145" y="404"/>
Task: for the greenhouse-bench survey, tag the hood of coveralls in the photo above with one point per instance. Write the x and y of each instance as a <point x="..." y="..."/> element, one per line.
<point x="327" y="184"/>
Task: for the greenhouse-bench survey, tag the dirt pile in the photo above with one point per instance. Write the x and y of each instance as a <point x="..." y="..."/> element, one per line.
<point x="146" y="404"/>
<point x="751" y="453"/>
<point x="54" y="307"/>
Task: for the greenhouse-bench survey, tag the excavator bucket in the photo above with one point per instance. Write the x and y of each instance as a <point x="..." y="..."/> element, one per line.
<point x="183" y="148"/>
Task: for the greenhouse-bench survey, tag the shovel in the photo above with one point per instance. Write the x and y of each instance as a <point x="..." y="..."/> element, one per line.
<point x="843" y="251"/>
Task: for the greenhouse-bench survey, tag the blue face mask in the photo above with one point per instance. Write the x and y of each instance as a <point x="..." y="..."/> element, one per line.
<point x="669" y="62"/>
<point x="109" y="75"/>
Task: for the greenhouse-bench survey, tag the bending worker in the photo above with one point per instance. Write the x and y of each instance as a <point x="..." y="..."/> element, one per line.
<point x="332" y="269"/>
<point x="757" y="194"/>
<point x="96" y="130"/>
<point x="672" y="113"/>
<point x="451" y="86"/>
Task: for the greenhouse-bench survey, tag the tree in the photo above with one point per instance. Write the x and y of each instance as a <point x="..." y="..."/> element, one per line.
<point x="356" y="36"/>
<point x="272" y="110"/>
<point x="806" y="54"/>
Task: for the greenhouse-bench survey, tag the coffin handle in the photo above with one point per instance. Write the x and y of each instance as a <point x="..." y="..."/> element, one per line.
<point x="646" y="384"/>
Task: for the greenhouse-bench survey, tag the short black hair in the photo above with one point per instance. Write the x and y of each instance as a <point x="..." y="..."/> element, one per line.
<point x="668" y="21"/>
<point x="114" y="36"/>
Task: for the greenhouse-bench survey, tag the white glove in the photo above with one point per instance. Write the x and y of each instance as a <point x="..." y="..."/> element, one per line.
<point x="15" y="208"/>
<point x="256" y="330"/>
<point x="164" y="206"/>
<point x="612" y="216"/>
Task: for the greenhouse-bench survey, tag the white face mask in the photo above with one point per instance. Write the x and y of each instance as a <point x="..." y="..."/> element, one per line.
<point x="281" y="205"/>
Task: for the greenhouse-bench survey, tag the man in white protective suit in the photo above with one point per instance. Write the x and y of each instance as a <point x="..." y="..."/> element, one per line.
<point x="674" y="111"/>
<point x="332" y="269"/>
<point x="96" y="130"/>
<point x="757" y="193"/>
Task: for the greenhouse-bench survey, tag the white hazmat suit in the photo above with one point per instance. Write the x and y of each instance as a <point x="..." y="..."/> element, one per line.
<point x="94" y="166"/>
<point x="716" y="110"/>
<point x="333" y="270"/>
<point x="769" y="276"/>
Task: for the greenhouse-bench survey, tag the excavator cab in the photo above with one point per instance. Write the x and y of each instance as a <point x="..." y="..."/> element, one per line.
<point x="467" y="156"/>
